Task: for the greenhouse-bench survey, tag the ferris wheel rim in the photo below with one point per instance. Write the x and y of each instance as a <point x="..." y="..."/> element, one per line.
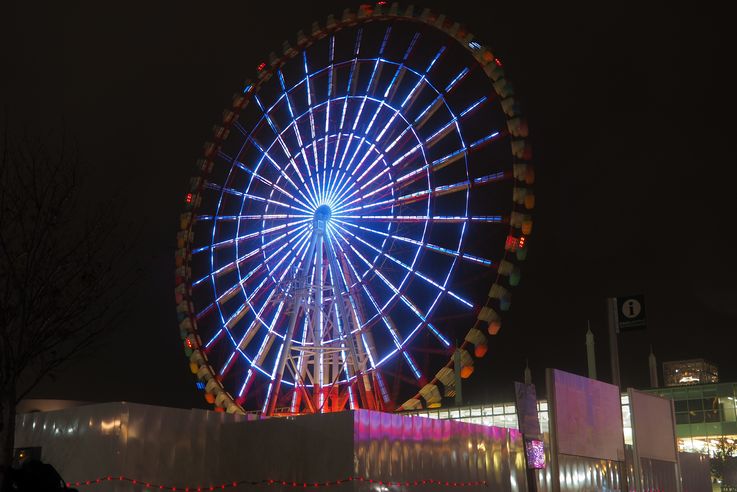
<point x="302" y="48"/>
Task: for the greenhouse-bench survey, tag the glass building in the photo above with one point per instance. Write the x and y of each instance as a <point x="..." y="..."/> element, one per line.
<point x="693" y="371"/>
<point x="704" y="415"/>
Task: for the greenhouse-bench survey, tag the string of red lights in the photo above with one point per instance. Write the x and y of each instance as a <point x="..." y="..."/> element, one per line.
<point x="302" y="485"/>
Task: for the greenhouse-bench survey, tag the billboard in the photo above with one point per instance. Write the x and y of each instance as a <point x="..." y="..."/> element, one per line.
<point x="652" y="426"/>
<point x="526" y="400"/>
<point x="586" y="416"/>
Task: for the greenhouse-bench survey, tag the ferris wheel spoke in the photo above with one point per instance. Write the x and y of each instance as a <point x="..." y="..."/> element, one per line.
<point x="410" y="269"/>
<point x="328" y="99"/>
<point x="414" y="92"/>
<point x="351" y="136"/>
<point x="264" y="232"/>
<point x="233" y="290"/>
<point x="311" y="117"/>
<point x="415" y="174"/>
<point x="453" y="123"/>
<point x="438" y="164"/>
<point x="420" y="195"/>
<point x="250" y="255"/>
<point x="300" y="370"/>
<point x="387" y="169"/>
<point x="398" y="291"/>
<point x="277" y="373"/>
<point x="341" y="192"/>
<point x="268" y="339"/>
<point x="451" y="85"/>
<point x="429" y="246"/>
<point x="379" y="158"/>
<point x="360" y="331"/>
<point x="253" y="326"/>
<point x="361" y="142"/>
<point x="263" y="350"/>
<point x="369" y="89"/>
<point x="254" y="217"/>
<point x="271" y="184"/>
<point x="370" y="267"/>
<point x="278" y="139"/>
<point x="265" y="155"/>
<point x="387" y="322"/>
<point x="299" y="250"/>
<point x="400" y="71"/>
<point x="256" y="198"/>
<point x="277" y="133"/>
<point x="344" y="180"/>
<point x="294" y="121"/>
<point x="412" y="219"/>
<point x="285" y="148"/>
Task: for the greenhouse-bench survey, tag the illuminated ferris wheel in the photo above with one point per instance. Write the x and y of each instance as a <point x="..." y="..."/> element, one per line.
<point x="355" y="220"/>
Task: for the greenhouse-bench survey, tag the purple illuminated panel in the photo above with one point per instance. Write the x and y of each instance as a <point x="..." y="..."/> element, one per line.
<point x="586" y="417"/>
<point x="535" y="450"/>
<point x="398" y="448"/>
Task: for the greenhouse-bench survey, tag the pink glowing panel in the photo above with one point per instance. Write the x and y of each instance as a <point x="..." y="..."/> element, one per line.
<point x="652" y="422"/>
<point x="535" y="451"/>
<point x="587" y="417"/>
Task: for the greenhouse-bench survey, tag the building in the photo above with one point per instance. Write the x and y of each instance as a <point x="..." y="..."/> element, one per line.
<point x="687" y="372"/>
<point x="705" y="414"/>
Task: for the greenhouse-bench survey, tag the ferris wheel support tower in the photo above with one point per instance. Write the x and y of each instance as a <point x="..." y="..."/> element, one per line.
<point x="331" y="342"/>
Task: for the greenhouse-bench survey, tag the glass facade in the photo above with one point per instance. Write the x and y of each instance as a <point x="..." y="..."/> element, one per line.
<point x="496" y="414"/>
<point x="704" y="414"/>
<point x="689" y="372"/>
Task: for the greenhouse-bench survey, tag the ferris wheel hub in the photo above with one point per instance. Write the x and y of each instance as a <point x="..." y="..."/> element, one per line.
<point x="323" y="213"/>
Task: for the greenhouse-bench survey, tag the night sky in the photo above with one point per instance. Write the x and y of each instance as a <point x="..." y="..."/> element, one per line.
<point x="632" y="116"/>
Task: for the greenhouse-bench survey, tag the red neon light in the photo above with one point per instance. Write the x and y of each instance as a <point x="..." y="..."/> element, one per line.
<point x="188" y="199"/>
<point x="187" y="488"/>
<point x="498" y="62"/>
<point x="261" y="66"/>
<point x="512" y="242"/>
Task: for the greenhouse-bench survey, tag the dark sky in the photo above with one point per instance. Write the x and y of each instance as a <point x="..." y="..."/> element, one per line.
<point x="632" y="113"/>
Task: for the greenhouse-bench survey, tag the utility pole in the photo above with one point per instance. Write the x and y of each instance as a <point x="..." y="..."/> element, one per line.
<point x="611" y="303"/>
<point x="457" y="369"/>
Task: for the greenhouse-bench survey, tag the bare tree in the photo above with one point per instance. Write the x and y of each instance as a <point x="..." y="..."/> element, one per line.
<point x="724" y="454"/>
<point x="60" y="276"/>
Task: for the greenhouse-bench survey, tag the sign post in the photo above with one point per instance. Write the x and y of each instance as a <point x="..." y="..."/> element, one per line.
<point x="529" y="425"/>
<point x="625" y="313"/>
<point x="611" y="307"/>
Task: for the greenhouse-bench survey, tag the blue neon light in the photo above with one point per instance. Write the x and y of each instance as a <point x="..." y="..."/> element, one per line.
<point x="372" y="157"/>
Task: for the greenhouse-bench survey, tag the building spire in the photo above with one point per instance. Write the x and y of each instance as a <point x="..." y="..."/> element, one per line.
<point x="653" y="364"/>
<point x="590" y="351"/>
<point x="528" y="373"/>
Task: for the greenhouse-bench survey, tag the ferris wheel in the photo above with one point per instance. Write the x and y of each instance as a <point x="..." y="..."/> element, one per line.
<point x="351" y="237"/>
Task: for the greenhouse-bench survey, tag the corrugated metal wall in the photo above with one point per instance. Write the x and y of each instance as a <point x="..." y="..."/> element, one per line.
<point x="200" y="448"/>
